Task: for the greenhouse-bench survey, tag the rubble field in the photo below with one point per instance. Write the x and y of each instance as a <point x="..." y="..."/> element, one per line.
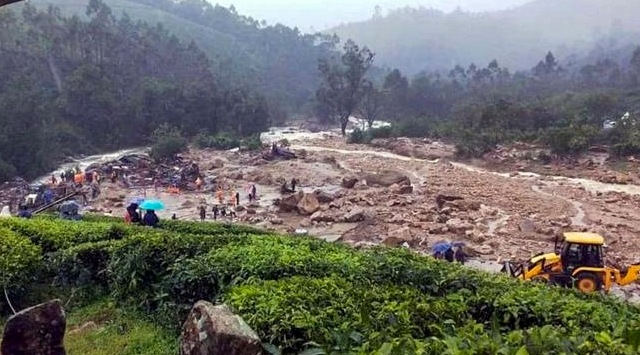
<point x="399" y="192"/>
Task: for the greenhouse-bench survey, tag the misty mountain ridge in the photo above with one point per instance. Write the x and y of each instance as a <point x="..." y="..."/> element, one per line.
<point x="417" y="39"/>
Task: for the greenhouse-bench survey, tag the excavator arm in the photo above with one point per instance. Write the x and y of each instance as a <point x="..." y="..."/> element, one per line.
<point x="630" y="277"/>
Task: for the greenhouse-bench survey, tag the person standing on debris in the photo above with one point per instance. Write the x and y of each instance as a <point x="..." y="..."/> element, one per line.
<point x="174" y="217"/>
<point x="233" y="198"/>
<point x="54" y="181"/>
<point x="215" y="211"/>
<point x="220" y="195"/>
<point x="254" y="191"/>
<point x="294" y="182"/>
<point x="198" y="183"/>
<point x="96" y="176"/>
<point x="203" y="213"/>
<point x="63" y="178"/>
<point x="95" y="190"/>
<point x="151" y="219"/>
<point x="114" y="176"/>
<point x="237" y="199"/>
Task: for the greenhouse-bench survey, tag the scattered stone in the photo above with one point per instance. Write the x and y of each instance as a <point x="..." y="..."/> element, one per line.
<point x="355" y="215"/>
<point x="349" y="183"/>
<point x="458" y="225"/>
<point x="37" y="330"/>
<point x="387" y="178"/>
<point x="211" y="330"/>
<point x="324" y="197"/>
<point x="321" y="216"/>
<point x="402" y="189"/>
<point x="251" y="211"/>
<point x="442" y="198"/>
<point x="217" y="164"/>
<point x="527" y="226"/>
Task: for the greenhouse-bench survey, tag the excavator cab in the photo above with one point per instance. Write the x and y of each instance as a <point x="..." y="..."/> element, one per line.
<point x="582" y="259"/>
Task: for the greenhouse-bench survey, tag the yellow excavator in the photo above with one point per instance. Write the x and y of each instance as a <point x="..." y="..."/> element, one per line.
<point x="578" y="261"/>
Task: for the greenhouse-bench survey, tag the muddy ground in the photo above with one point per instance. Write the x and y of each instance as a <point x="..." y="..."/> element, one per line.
<point x="502" y="208"/>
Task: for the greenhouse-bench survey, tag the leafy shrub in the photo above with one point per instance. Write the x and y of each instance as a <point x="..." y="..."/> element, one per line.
<point x="52" y="235"/>
<point x="167" y="143"/>
<point x="571" y="140"/>
<point x="291" y="312"/>
<point x="302" y="293"/>
<point x="221" y="140"/>
<point x="415" y="128"/>
<point x="359" y="136"/>
<point x="381" y="132"/>
<point x="18" y="255"/>
<point x="252" y="143"/>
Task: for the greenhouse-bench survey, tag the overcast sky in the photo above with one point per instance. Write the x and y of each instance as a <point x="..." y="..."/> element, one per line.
<point x="322" y="14"/>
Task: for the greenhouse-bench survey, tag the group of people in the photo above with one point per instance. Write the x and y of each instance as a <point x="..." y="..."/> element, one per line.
<point x="132" y="216"/>
<point x="217" y="212"/>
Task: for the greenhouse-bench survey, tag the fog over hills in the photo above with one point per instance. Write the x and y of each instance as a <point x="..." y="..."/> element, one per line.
<point x="416" y="39"/>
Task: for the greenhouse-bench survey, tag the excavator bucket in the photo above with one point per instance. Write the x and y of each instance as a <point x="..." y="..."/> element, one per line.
<point x="511" y="269"/>
<point x="7" y="2"/>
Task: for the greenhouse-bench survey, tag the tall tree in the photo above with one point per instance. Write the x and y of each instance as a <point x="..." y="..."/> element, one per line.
<point x="342" y="83"/>
<point x="372" y="105"/>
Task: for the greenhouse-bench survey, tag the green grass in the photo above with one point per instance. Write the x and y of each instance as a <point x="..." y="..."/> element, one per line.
<point x="118" y="332"/>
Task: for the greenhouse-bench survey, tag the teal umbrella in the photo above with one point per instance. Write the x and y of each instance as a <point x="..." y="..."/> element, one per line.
<point x="152" y="205"/>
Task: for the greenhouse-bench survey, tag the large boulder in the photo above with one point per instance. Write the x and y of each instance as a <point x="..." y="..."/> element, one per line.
<point x="402" y="189"/>
<point x="324" y="197"/>
<point x="387" y="178"/>
<point x="443" y="197"/>
<point x="458" y="225"/>
<point x="357" y="214"/>
<point x="308" y="205"/>
<point x="321" y="216"/>
<point x="527" y="226"/>
<point x="38" y="330"/>
<point x="349" y="183"/>
<point x="217" y="164"/>
<point x="215" y="330"/>
<point x="290" y="203"/>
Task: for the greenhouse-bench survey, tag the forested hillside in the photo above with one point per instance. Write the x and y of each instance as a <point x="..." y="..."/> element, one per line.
<point x="74" y="85"/>
<point x="568" y="109"/>
<point x="277" y="60"/>
<point x="424" y="39"/>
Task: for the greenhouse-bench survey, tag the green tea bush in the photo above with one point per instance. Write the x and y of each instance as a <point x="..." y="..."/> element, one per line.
<point x="290" y="312"/>
<point x="18" y="256"/>
<point x="304" y="293"/>
<point x="52" y="235"/>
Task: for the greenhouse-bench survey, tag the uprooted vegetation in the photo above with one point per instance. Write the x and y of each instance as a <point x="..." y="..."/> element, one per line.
<point x="300" y="293"/>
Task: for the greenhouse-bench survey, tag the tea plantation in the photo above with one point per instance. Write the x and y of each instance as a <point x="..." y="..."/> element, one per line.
<point x="301" y="295"/>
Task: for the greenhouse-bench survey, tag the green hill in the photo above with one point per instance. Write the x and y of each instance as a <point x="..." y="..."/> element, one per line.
<point x="301" y="293"/>
<point x="278" y="61"/>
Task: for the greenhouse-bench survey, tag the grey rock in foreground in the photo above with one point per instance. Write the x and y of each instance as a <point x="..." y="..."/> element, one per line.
<point x="38" y="330"/>
<point x="215" y="330"/>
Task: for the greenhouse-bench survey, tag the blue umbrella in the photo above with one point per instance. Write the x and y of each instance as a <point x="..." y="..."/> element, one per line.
<point x="441" y="247"/>
<point x="152" y="205"/>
